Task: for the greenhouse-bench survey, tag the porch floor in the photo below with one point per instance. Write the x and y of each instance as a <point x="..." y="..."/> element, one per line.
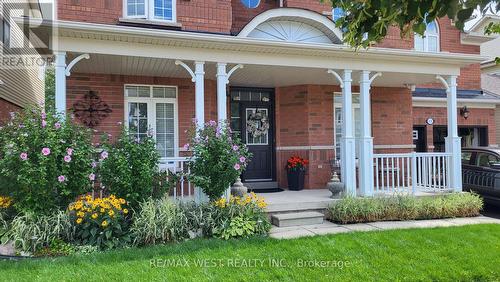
<point x="311" y="199"/>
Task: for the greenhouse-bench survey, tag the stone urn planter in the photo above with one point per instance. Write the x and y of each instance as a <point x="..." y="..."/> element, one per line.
<point x="238" y="189"/>
<point x="335" y="186"/>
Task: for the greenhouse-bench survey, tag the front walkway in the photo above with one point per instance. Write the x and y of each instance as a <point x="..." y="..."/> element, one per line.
<point x="332" y="228"/>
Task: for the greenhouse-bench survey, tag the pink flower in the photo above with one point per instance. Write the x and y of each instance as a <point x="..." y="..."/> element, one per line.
<point x="235" y="148"/>
<point x="46" y="151"/>
<point x="212" y="123"/>
<point x="69" y="151"/>
<point x="23" y="156"/>
<point x="44" y="115"/>
<point x="67" y="158"/>
<point x="94" y="164"/>
<point x="12" y="115"/>
<point x="44" y="123"/>
<point x="92" y="177"/>
<point x="186" y="147"/>
<point x="242" y="159"/>
<point x="237" y="166"/>
<point x="119" y="123"/>
<point x="104" y="155"/>
<point x="61" y="178"/>
<point x="21" y="126"/>
<point x="57" y="125"/>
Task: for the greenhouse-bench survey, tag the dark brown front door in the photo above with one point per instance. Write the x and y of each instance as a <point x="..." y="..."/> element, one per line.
<point x="255" y="122"/>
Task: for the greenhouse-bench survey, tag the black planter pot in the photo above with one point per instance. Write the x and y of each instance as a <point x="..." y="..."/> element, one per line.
<point x="296" y="180"/>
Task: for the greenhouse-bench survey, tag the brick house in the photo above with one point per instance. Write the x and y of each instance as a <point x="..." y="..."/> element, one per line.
<point x="160" y="64"/>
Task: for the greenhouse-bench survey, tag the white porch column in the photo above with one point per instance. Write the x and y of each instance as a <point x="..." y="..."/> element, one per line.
<point x="453" y="144"/>
<point x="221" y="92"/>
<point x="366" y="139"/>
<point x="60" y="77"/>
<point x="348" y="156"/>
<point x="199" y="77"/>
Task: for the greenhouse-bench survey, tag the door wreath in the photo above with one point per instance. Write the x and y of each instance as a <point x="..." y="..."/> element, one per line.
<point x="257" y="124"/>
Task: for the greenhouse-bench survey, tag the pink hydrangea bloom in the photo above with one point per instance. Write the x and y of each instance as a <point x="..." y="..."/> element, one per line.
<point x="57" y="125"/>
<point x="61" y="178"/>
<point x="92" y="177"/>
<point x="67" y="158"/>
<point x="69" y="151"/>
<point x="45" y="151"/>
<point x="237" y="166"/>
<point x="23" y="156"/>
<point x="242" y="159"/>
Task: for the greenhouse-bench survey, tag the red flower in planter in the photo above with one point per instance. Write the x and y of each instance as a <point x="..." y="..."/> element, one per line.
<point x="296" y="163"/>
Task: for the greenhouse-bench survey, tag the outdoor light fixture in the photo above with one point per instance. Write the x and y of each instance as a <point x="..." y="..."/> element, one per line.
<point x="464" y="112"/>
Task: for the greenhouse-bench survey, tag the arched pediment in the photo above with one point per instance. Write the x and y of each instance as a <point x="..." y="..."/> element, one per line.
<point x="292" y="25"/>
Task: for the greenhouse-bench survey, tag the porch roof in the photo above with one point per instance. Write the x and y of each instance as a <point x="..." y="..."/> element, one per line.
<point x="78" y="37"/>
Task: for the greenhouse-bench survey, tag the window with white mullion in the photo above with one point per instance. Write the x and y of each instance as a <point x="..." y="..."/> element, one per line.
<point x="339" y="123"/>
<point x="156" y="111"/>
<point x="430" y="41"/>
<point x="157" y="10"/>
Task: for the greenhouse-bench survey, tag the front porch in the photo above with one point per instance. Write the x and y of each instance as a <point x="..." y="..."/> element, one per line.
<point x="329" y="102"/>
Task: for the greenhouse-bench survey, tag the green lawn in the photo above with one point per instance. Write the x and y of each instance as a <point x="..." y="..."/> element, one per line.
<point x="443" y="254"/>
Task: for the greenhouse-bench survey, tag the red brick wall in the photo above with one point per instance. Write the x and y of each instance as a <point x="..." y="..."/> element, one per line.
<point x="304" y="117"/>
<point x="477" y="117"/>
<point x="110" y="88"/>
<point x="313" y="5"/>
<point x="242" y="15"/>
<point x="6" y="108"/>
<point x="196" y="15"/>
<point x="391" y="117"/>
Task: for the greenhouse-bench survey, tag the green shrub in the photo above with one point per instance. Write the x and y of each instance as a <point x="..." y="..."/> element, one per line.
<point x="56" y="248"/>
<point x="45" y="161"/>
<point x="218" y="158"/>
<point x="101" y="222"/>
<point x="31" y="232"/>
<point x="352" y="210"/>
<point x="128" y="167"/>
<point x="154" y="223"/>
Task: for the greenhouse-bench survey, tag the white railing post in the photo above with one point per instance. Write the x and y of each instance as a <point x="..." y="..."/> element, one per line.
<point x="348" y="156"/>
<point x="60" y="77"/>
<point x="366" y="140"/>
<point x="413" y="173"/>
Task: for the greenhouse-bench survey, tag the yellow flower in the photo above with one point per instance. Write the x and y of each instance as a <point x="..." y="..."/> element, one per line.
<point x="102" y="210"/>
<point x="111" y="213"/>
<point x="80" y="214"/>
<point x="122" y="201"/>
<point x="94" y="215"/>
<point x="104" y="223"/>
<point x="79" y="220"/>
<point x="125" y="211"/>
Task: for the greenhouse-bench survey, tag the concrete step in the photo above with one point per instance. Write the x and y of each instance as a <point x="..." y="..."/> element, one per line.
<point x="297" y="218"/>
<point x="261" y="185"/>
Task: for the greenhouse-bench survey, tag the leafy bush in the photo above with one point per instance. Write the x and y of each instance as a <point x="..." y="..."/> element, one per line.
<point x="45" y="162"/>
<point x="352" y="210"/>
<point x="218" y="158"/>
<point x="56" y="248"/>
<point x="128" y="167"/>
<point x="102" y="222"/>
<point x="31" y="232"/>
<point x="240" y="217"/>
<point x="154" y="223"/>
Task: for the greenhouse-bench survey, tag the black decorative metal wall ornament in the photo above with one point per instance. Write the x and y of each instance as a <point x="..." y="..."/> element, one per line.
<point x="91" y="110"/>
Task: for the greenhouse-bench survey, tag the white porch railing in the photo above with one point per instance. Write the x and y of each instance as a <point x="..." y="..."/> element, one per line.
<point x="178" y="165"/>
<point x="412" y="172"/>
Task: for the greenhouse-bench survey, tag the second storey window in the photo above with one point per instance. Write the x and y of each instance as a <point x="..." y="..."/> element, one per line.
<point x="154" y="10"/>
<point x="430" y="41"/>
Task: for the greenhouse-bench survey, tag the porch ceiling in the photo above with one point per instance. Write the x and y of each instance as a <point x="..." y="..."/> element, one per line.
<point x="251" y="75"/>
<point x="140" y="42"/>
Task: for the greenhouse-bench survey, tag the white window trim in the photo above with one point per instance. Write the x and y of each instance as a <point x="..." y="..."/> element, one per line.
<point x="354" y="106"/>
<point x="149" y="12"/>
<point x="425" y="39"/>
<point x="152" y="110"/>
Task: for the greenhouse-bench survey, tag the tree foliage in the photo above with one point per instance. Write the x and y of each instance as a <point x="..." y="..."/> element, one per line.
<point x="368" y="21"/>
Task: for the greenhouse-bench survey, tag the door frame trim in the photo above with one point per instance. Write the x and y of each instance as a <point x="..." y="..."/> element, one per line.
<point x="272" y="113"/>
